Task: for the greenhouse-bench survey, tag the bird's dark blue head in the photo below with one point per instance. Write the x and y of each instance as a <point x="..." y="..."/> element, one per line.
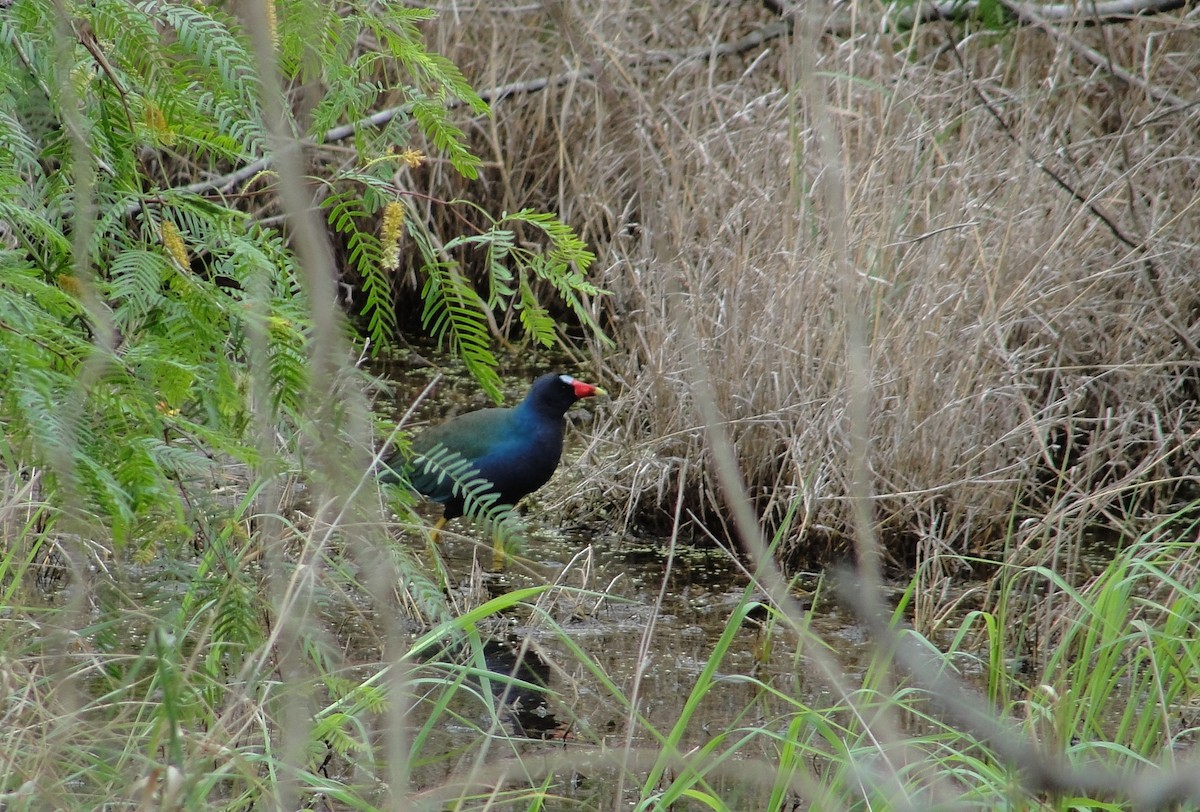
<point x="554" y="393"/>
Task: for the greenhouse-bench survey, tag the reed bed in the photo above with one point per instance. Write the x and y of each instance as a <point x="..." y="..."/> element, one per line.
<point x="168" y="693"/>
<point x="1014" y="223"/>
<point x="841" y="277"/>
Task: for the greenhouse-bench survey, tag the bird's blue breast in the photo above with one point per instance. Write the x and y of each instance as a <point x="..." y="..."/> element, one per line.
<point x="522" y="457"/>
<point x="516" y="450"/>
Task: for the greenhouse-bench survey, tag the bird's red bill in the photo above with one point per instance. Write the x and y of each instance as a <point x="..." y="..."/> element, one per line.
<point x="586" y="390"/>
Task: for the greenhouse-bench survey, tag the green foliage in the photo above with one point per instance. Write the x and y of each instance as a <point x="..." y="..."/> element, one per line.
<point x="986" y="16"/>
<point x="129" y="334"/>
<point x="439" y="464"/>
<point x="1122" y="659"/>
<point x="563" y="265"/>
<point x="455" y="315"/>
<point x="350" y="211"/>
<point x="128" y="352"/>
<point x="156" y="339"/>
<point x="993" y="16"/>
<point x="455" y="312"/>
<point x="461" y="319"/>
<point x="419" y="85"/>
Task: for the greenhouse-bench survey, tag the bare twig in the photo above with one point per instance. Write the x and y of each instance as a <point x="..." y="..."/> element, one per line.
<point x="1114" y="11"/>
<point x="1085" y="13"/>
<point x="1136" y="243"/>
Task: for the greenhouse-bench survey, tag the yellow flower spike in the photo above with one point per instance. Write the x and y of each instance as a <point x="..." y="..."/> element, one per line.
<point x="156" y="122"/>
<point x="390" y="232"/>
<point x="173" y="242"/>
<point x="69" y="283"/>
<point x="272" y="22"/>
<point x="412" y="157"/>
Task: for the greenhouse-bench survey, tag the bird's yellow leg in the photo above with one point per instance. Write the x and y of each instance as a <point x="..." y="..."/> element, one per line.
<point x="499" y="557"/>
<point x="764" y="644"/>
<point x="436" y="535"/>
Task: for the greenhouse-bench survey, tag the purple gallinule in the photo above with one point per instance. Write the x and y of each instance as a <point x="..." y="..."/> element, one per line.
<point x="514" y="449"/>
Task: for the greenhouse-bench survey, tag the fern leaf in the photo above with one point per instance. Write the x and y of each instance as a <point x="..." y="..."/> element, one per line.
<point x="454" y="314"/>
<point x="447" y="137"/>
<point x="534" y="318"/>
<point x="438" y="466"/>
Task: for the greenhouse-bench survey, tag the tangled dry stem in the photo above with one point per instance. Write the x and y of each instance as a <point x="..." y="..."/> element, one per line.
<point x="1020" y="227"/>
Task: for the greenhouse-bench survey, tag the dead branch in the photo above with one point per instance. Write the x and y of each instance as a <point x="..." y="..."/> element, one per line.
<point x="1081" y="13"/>
<point x="1036" y="17"/>
<point x="838" y="24"/>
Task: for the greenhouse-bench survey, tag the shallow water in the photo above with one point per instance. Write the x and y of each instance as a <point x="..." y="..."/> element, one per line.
<point x="649" y="618"/>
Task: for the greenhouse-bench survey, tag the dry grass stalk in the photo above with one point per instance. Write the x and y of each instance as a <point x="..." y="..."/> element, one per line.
<point x="1023" y="359"/>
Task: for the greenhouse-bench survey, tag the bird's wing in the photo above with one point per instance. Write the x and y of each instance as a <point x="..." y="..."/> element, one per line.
<point x="472" y="435"/>
<point x="446" y="453"/>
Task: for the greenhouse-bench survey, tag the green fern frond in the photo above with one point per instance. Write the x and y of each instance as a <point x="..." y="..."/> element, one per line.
<point x="136" y="40"/>
<point x="99" y="481"/>
<point x="223" y="599"/>
<point x="418" y="585"/>
<point x="311" y="37"/>
<point x="402" y="21"/>
<point x="431" y="73"/>
<point x="135" y="279"/>
<point x="345" y="209"/>
<point x="500" y="278"/>
<point x="376" y="286"/>
<point x="534" y="318"/>
<point x="166" y="373"/>
<point x="446" y="136"/>
<point x="236" y="625"/>
<point x="288" y="369"/>
<point x="347" y="99"/>
<point x="181" y="462"/>
<point x="204" y="33"/>
<point x="139" y="476"/>
<point x="568" y="259"/>
<point x="348" y="212"/>
<point x="454" y="315"/>
<point x="38" y="392"/>
<point x="364" y="698"/>
<point x="19" y="155"/>
<point x="446" y="73"/>
<point x="564" y="265"/>
<point x="38" y="307"/>
<point x="40" y="233"/>
<point x="440" y="465"/>
<point x="331" y="731"/>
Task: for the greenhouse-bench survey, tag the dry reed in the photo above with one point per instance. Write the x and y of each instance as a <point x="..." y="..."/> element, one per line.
<point x="1025" y="362"/>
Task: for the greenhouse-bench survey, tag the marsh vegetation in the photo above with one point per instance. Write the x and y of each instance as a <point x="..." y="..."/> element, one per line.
<point x="894" y="504"/>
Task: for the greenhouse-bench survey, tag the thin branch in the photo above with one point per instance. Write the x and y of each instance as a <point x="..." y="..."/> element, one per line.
<point x="1136" y="243"/>
<point x="1036" y="17"/>
<point x="1081" y="13"/>
<point x="841" y="25"/>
